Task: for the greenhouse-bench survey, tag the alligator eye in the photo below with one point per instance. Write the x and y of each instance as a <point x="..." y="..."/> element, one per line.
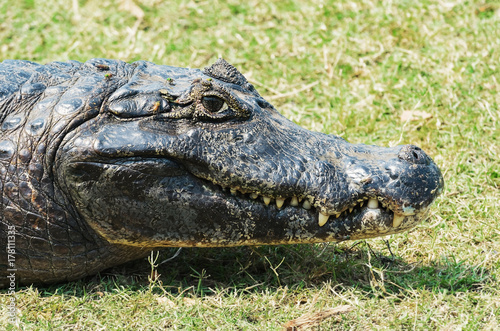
<point x="212" y="103"/>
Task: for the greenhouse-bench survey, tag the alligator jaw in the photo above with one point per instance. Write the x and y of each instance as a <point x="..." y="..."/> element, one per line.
<point x="215" y="215"/>
<point x="366" y="219"/>
<point x="323" y="217"/>
<point x="366" y="211"/>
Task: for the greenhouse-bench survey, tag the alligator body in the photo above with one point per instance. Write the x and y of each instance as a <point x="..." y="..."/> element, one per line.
<point x="103" y="161"/>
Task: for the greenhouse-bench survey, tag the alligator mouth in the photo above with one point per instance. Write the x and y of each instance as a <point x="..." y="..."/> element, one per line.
<point x="309" y="203"/>
<point x="363" y="216"/>
<point x="356" y="206"/>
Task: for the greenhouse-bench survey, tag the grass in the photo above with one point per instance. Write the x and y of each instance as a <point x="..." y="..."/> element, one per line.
<point x="370" y="61"/>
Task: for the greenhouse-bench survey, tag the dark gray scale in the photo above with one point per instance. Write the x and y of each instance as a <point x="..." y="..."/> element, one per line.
<point x="7" y="149"/>
<point x="11" y="123"/>
<point x="35" y="127"/>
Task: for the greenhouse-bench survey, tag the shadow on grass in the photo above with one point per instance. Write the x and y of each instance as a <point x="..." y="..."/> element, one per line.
<point x="252" y="269"/>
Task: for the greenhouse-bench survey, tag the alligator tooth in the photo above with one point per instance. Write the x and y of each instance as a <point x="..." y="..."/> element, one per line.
<point x="397" y="220"/>
<point x="254" y="195"/>
<point x="294" y="202"/>
<point x="361" y="203"/>
<point x="267" y="200"/>
<point x="373" y="203"/>
<point x="306" y="204"/>
<point x="279" y="202"/>
<point x="322" y="219"/>
<point x="350" y="209"/>
<point x="338" y="215"/>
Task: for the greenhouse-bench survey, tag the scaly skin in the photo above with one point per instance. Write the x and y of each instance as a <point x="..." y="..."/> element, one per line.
<point x="103" y="161"/>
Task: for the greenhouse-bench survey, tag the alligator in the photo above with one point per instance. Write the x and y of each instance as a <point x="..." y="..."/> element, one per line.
<point x="104" y="161"/>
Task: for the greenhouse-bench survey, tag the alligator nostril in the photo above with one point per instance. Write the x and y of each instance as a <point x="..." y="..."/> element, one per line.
<point x="413" y="154"/>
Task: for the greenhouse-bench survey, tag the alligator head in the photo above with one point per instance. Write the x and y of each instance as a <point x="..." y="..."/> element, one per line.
<point x="182" y="157"/>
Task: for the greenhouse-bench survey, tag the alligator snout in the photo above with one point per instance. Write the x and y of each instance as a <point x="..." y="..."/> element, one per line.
<point x="399" y="183"/>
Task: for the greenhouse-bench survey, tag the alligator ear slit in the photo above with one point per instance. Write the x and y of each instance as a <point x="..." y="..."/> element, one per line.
<point x="185" y="112"/>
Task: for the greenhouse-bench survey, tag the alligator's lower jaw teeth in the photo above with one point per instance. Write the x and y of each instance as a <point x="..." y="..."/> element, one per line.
<point x="322" y="219"/>
<point x="397" y="220"/>
<point x="373" y="203"/>
<point x="279" y="203"/>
